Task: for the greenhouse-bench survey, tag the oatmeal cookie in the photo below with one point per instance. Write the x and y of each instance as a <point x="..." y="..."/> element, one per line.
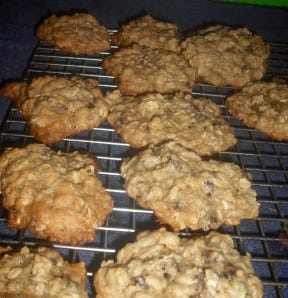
<point x="40" y="272"/>
<point x="142" y="69"/>
<point x="58" y="107"/>
<point x="77" y="34"/>
<point x="147" y="31"/>
<point x="226" y="56"/>
<point x="185" y="191"/>
<point x="196" y="123"/>
<point x="263" y="106"/>
<point x="56" y="195"/>
<point x="161" y="264"/>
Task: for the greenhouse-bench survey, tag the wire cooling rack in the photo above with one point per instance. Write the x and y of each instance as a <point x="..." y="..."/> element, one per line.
<point x="266" y="160"/>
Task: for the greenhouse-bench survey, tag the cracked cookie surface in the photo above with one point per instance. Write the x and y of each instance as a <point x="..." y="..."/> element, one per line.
<point x="185" y="191"/>
<point x="226" y="56"/>
<point x="77" y="34"/>
<point x="58" y="107"/>
<point x="150" y="32"/>
<point x="40" y="272"/>
<point x="196" y="123"/>
<point x="263" y="106"/>
<point x="56" y="195"/>
<point x="161" y="264"/>
<point x="143" y="70"/>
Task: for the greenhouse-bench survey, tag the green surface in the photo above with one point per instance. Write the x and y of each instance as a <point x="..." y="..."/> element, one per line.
<point x="279" y="3"/>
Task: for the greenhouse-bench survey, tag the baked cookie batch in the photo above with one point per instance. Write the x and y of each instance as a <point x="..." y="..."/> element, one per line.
<point x="57" y="196"/>
<point x="162" y="264"/>
<point x="52" y="104"/>
<point x="40" y="272"/>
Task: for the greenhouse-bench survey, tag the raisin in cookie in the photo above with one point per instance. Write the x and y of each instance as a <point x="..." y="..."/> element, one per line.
<point x="40" y="272"/>
<point x="142" y="69"/>
<point x="263" y="106"/>
<point x="161" y="264"/>
<point x="58" y="107"/>
<point x="226" y="56"/>
<point x="147" y="31"/>
<point x="196" y="123"/>
<point x="78" y="34"/>
<point x="185" y="191"/>
<point x="56" y="195"/>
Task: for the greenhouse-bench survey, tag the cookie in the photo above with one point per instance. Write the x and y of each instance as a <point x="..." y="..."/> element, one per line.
<point x="161" y="264"/>
<point x="40" y="272"/>
<point x="185" y="191"/>
<point x="142" y="70"/>
<point x="56" y="195"/>
<point x="58" y="107"/>
<point x="263" y="106"/>
<point x="196" y="123"/>
<point x="226" y="56"/>
<point x="77" y="34"/>
<point x="150" y="32"/>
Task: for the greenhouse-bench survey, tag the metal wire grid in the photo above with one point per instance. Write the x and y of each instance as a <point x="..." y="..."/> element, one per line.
<point x="264" y="159"/>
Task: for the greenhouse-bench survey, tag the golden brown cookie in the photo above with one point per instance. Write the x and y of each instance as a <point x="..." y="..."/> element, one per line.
<point x="78" y="34"/>
<point x="56" y="195"/>
<point x="142" y="70"/>
<point x="226" y="56"/>
<point x="263" y="106"/>
<point x="150" y="32"/>
<point x="196" y="123"/>
<point x="161" y="264"/>
<point x="185" y="191"/>
<point x="40" y="272"/>
<point x="58" y="107"/>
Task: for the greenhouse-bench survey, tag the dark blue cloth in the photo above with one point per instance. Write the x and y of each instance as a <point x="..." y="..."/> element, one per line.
<point x="19" y="18"/>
